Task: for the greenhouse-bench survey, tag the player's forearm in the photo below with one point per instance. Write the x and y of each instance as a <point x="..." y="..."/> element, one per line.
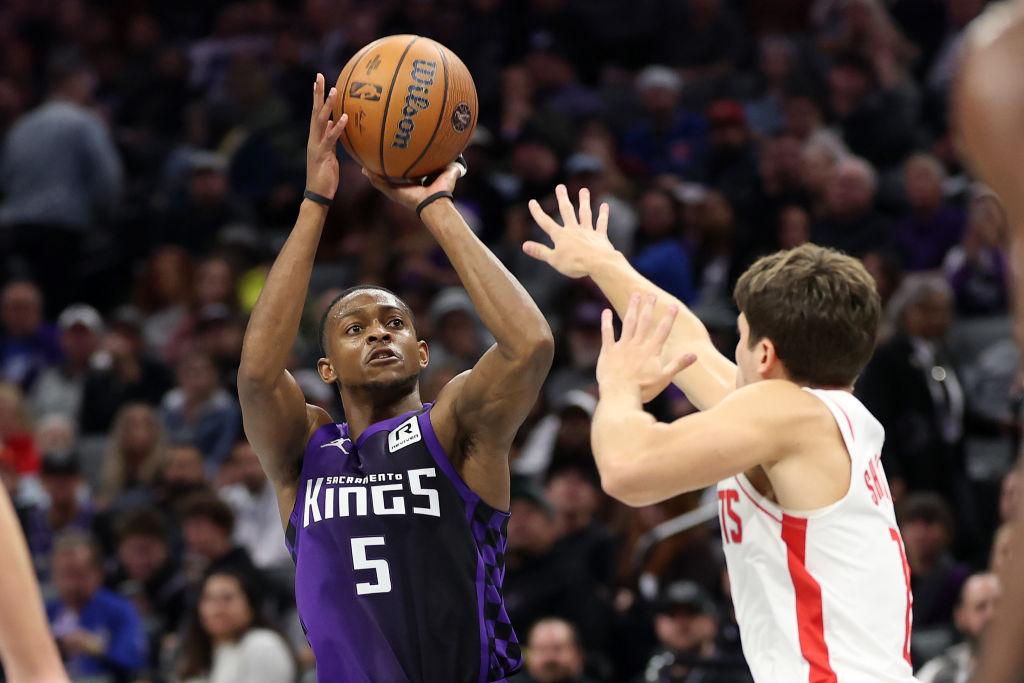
<point x="618" y="419"/>
<point x="506" y="309"/>
<point x="274" y="322"/>
<point x="705" y="382"/>
<point x="27" y="649"/>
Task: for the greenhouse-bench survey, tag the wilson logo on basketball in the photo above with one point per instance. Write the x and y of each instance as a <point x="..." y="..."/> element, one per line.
<point x="365" y="91"/>
<point x="423" y="72"/>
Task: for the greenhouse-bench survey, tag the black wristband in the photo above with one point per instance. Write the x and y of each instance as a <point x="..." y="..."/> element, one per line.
<point x="430" y="200"/>
<point x="318" y="198"/>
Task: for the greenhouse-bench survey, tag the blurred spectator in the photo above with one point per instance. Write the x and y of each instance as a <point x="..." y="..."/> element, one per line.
<point x="162" y="293"/>
<point x="849" y="222"/>
<point x="574" y="490"/>
<point x="181" y="475"/>
<point x="780" y="175"/>
<point x="17" y="447"/>
<point x="28" y="345"/>
<point x="200" y="411"/>
<point x="148" y="575"/>
<point x="935" y="576"/>
<point x="776" y="63"/>
<point x="667" y="138"/>
<point x="457" y="337"/>
<point x="794" y="227"/>
<point x="60" y="176"/>
<point x="121" y="373"/>
<point x="229" y="640"/>
<point x="133" y="458"/>
<point x="541" y="580"/>
<point x="876" y="119"/>
<point x="582" y="339"/>
<point x="257" y="514"/>
<point x="731" y="165"/>
<point x="59" y="388"/>
<point x="214" y="295"/>
<point x="208" y="529"/>
<point x="1010" y="494"/>
<point x="686" y="623"/>
<point x="819" y="158"/>
<point x="218" y="333"/>
<point x="705" y="38"/>
<point x="554" y="654"/>
<point x="713" y="233"/>
<point x="978" y="601"/>
<point x="99" y="632"/>
<point x="55" y="433"/>
<point x="661" y="255"/>
<point x="934" y="226"/>
<point x="65" y="508"/>
<point x="912" y="387"/>
<point x="565" y="430"/>
<point x="977" y="268"/>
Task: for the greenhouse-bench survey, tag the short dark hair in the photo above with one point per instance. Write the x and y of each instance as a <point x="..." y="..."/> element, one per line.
<point x="928" y="507"/>
<point x="819" y="307"/>
<point x="321" y="334"/>
<point x="146" y="522"/>
<point x="209" y="507"/>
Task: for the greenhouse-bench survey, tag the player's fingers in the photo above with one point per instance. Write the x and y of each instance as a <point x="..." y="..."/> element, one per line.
<point x="602" y="220"/>
<point x="335" y="129"/>
<point x="629" y="320"/>
<point x="643" y="321"/>
<point x="544" y="221"/>
<point x="318" y="96"/>
<point x="324" y="115"/>
<point x="665" y="327"/>
<point x="538" y="251"/>
<point x="607" y="330"/>
<point x="565" y="207"/>
<point x="586" y="216"/>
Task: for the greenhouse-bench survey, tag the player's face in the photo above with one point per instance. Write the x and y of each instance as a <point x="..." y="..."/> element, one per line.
<point x="372" y="342"/>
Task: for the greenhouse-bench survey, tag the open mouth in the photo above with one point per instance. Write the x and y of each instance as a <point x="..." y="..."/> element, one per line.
<point x="382" y="356"/>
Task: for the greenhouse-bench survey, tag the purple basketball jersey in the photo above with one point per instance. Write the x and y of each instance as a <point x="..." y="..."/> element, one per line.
<point x="399" y="564"/>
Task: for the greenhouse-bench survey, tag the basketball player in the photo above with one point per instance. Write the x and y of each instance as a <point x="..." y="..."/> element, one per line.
<point x="396" y="519"/>
<point x="988" y="109"/>
<point x="27" y="650"/>
<point x="819" y="576"/>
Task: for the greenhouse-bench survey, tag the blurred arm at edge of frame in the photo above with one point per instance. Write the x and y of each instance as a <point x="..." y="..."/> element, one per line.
<point x="27" y="649"/>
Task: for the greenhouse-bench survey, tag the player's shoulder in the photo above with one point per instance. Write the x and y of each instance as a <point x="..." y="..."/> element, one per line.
<point x="777" y="405"/>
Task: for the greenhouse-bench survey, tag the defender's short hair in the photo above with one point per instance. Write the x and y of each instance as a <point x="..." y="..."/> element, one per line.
<point x="819" y="307"/>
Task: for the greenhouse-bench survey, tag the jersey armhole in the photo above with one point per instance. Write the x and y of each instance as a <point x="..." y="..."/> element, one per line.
<point x="437" y="452"/>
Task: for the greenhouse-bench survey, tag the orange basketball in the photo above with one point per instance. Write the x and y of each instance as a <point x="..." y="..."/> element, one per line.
<point x="411" y="106"/>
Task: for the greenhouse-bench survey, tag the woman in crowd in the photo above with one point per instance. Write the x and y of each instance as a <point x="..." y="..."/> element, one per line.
<point x="229" y="641"/>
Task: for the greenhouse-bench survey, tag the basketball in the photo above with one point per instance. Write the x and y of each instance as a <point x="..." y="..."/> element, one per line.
<point x="412" y="106"/>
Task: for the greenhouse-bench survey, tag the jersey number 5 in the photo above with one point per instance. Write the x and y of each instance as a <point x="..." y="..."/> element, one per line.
<point x="382" y="582"/>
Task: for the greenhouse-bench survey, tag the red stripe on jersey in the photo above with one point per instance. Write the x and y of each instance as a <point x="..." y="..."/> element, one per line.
<point x="809" y="618"/>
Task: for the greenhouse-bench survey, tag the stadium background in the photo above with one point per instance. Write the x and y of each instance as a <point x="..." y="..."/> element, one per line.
<point x="152" y="165"/>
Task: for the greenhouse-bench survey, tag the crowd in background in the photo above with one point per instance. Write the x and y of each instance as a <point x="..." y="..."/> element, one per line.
<point x="152" y="164"/>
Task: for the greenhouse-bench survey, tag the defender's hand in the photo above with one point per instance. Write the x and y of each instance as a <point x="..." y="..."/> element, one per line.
<point x="322" y="172"/>
<point x="410" y="196"/>
<point x="633" y="363"/>
<point x="578" y="243"/>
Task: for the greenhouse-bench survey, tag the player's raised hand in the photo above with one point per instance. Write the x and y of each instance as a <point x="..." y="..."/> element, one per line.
<point x="410" y="195"/>
<point x="635" y="360"/>
<point x="578" y="241"/>
<point x="322" y="171"/>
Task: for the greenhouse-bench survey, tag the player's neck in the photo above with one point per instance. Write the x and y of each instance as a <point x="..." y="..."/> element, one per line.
<point x="361" y="411"/>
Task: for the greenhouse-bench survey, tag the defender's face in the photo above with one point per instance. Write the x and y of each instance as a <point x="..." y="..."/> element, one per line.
<point x="371" y="340"/>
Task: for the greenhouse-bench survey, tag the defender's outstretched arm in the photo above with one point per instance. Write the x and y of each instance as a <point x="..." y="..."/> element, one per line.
<point x="582" y="248"/>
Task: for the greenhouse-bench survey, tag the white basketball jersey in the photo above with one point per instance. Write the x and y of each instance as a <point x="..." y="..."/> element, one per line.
<point x="822" y="596"/>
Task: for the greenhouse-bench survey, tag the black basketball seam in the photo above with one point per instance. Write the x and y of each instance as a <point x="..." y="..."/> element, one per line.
<point x="344" y="94"/>
<point x="440" y="116"/>
<point x="387" y="104"/>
